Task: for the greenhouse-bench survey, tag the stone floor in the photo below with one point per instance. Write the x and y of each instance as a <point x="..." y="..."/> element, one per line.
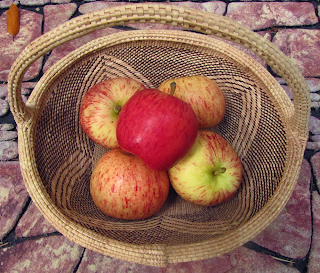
<point x="28" y="243"/>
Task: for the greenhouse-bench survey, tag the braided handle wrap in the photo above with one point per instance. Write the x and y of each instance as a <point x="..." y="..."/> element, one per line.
<point x="184" y="17"/>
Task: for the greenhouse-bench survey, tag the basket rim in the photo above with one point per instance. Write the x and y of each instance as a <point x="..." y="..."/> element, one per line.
<point x="176" y="36"/>
<point x="160" y="254"/>
<point x="164" y="13"/>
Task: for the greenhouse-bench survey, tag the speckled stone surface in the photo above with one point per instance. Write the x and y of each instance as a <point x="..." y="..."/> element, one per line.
<point x="314" y="263"/>
<point x="32" y="223"/>
<point x="291" y="243"/>
<point x="31" y="23"/>
<point x="13" y="196"/>
<point x="290" y="233"/>
<point x="301" y="45"/>
<point x="56" y="253"/>
<point x="260" y="15"/>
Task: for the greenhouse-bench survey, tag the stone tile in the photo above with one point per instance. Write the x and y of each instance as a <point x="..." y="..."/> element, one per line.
<point x="33" y="223"/>
<point x="313" y="142"/>
<point x="13" y="196"/>
<point x="98" y="5"/>
<point x="246" y="260"/>
<point x="315" y="97"/>
<point x="301" y="45"/>
<point x="34" y="2"/>
<point x="8" y="135"/>
<point x="54" y="15"/>
<point x="314" y="84"/>
<point x="6" y="127"/>
<point x="8" y="150"/>
<point x="260" y="15"/>
<point x="315" y="138"/>
<point x="314" y="126"/>
<point x="4" y="107"/>
<point x="30" y="28"/>
<point x="315" y="146"/>
<point x="6" y="3"/>
<point x="290" y="233"/>
<point x="62" y="50"/>
<point x="4" y="90"/>
<point x="28" y="85"/>
<point x="314" y="259"/>
<point x="315" y="105"/>
<point x="315" y="163"/>
<point x="238" y="260"/>
<point x="96" y="262"/>
<point x="60" y="1"/>
<point x="54" y="254"/>
<point x="216" y="7"/>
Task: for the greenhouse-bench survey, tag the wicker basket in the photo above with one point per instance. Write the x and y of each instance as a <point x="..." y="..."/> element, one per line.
<point x="262" y="124"/>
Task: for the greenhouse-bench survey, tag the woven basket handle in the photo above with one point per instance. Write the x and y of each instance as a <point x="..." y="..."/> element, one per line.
<point x="187" y="18"/>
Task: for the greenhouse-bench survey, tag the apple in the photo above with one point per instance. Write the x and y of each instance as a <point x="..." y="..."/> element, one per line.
<point x="204" y="96"/>
<point x="100" y="107"/>
<point x="210" y="173"/>
<point x="124" y="187"/>
<point x="157" y="127"/>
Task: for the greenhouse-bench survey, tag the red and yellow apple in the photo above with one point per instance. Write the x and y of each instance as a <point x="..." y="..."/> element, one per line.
<point x="204" y="96"/>
<point x="100" y="108"/>
<point x="210" y="173"/>
<point x="157" y="127"/>
<point x="124" y="187"/>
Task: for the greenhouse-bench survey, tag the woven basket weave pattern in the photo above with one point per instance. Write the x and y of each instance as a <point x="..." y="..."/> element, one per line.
<point x="261" y="123"/>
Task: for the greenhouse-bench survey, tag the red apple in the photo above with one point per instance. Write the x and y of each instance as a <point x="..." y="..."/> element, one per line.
<point x="100" y="108"/>
<point x="124" y="187"/>
<point x="210" y="173"/>
<point x="204" y="96"/>
<point x="157" y="127"/>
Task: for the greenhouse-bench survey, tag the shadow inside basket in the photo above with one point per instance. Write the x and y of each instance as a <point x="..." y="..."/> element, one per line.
<point x="253" y="125"/>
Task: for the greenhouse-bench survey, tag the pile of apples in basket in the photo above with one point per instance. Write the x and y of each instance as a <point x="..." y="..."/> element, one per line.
<point x="158" y="137"/>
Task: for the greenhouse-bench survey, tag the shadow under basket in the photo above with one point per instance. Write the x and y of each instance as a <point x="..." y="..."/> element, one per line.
<point x="266" y="129"/>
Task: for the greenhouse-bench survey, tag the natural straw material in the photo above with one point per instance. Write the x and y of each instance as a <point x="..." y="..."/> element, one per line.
<point x="261" y="123"/>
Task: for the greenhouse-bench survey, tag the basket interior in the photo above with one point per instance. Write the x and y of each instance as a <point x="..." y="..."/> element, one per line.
<point x="253" y="124"/>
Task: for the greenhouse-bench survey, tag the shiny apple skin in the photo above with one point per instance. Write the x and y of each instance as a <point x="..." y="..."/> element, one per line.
<point x="157" y="127"/>
<point x="124" y="187"/>
<point x="193" y="177"/>
<point x="98" y="117"/>
<point x="204" y="96"/>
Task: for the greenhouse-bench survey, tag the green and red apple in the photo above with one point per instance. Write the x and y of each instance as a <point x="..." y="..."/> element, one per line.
<point x="124" y="187"/>
<point x="211" y="172"/>
<point x="204" y="96"/>
<point x="157" y="127"/>
<point x="100" y="109"/>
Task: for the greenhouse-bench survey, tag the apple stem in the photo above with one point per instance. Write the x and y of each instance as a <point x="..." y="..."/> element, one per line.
<point x="173" y="86"/>
<point x="221" y="170"/>
<point x="117" y="109"/>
